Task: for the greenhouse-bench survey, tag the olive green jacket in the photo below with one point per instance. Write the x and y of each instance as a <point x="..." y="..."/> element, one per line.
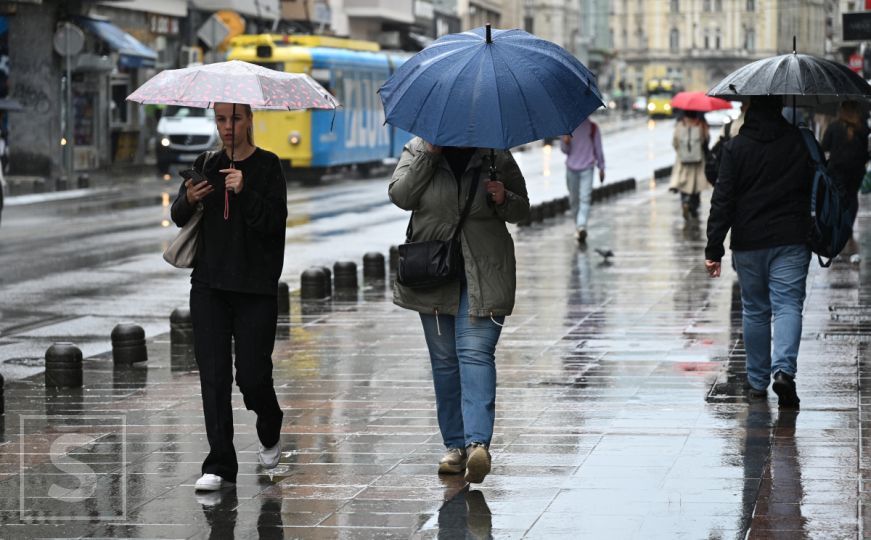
<point x="423" y="182"/>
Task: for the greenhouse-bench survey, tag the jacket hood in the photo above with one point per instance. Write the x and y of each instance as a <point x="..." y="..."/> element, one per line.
<point x="764" y="124"/>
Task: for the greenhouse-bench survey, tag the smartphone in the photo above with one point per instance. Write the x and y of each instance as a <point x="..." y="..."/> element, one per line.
<point x="192" y="174"/>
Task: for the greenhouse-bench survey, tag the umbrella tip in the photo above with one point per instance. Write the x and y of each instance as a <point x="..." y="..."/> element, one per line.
<point x="793" y="44"/>
<point x="489" y="39"/>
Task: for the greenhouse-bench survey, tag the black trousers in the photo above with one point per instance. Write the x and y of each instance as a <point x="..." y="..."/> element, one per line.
<point x="250" y="320"/>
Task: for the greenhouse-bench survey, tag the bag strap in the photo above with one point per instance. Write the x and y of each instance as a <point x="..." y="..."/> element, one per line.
<point x="811" y="143"/>
<point x="468" y="206"/>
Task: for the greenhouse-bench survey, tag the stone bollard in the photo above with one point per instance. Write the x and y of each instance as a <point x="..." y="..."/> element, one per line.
<point x="128" y="344"/>
<point x="535" y="214"/>
<point x="63" y="366"/>
<point x="373" y="267"/>
<point x="345" y="273"/>
<point x="2" y="406"/>
<point x="283" y="298"/>
<point x="181" y="340"/>
<point x="181" y="327"/>
<point x="548" y="210"/>
<point x="83" y="181"/>
<point x="394" y="259"/>
<point x="60" y="183"/>
<point x="328" y="280"/>
<point x="312" y="284"/>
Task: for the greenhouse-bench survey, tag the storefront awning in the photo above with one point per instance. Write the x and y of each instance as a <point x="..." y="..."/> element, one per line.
<point x="133" y="54"/>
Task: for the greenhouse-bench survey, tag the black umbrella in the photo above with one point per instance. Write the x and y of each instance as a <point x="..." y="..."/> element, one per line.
<point x="808" y="80"/>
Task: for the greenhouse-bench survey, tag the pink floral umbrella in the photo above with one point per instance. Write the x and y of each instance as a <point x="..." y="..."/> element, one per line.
<point x="234" y="82"/>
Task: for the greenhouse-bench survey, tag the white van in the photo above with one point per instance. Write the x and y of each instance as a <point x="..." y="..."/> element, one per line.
<point x="183" y="133"/>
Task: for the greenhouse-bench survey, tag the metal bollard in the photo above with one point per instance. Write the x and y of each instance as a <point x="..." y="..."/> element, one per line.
<point x="83" y="181"/>
<point x="63" y="366"/>
<point x="312" y="284"/>
<point x="283" y="298"/>
<point x="2" y="407"/>
<point x="394" y="259"/>
<point x="128" y="344"/>
<point x="373" y="266"/>
<point x="345" y="273"/>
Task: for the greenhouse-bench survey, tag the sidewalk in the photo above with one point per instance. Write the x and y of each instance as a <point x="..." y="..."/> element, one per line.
<point x="619" y="415"/>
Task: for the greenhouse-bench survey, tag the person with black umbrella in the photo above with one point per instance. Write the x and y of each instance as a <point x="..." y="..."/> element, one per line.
<point x="762" y="195"/>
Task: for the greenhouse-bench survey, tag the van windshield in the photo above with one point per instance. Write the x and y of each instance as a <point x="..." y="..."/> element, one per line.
<point x="188" y="112"/>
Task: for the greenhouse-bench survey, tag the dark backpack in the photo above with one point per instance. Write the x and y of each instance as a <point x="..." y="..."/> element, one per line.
<point x="831" y="214"/>
<point x="712" y="160"/>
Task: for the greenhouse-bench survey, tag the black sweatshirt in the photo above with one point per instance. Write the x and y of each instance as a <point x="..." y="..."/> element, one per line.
<point x="763" y="187"/>
<point x="244" y="253"/>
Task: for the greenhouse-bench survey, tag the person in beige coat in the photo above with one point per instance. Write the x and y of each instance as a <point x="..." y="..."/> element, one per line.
<point x="690" y="142"/>
<point x="462" y="320"/>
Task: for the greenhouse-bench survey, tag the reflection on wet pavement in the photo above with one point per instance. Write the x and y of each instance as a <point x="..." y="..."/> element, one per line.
<point x="621" y="414"/>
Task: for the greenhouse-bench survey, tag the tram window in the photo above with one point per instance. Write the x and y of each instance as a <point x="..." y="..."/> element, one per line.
<point x="322" y="76"/>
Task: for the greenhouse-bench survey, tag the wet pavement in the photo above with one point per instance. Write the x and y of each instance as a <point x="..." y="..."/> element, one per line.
<point x="620" y="414"/>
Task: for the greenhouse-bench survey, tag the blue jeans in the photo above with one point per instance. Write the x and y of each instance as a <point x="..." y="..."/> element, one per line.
<point x="464" y="373"/>
<point x="772" y="290"/>
<point x="580" y="184"/>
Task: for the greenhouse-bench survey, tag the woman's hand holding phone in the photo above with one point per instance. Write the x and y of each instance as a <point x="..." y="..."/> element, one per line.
<point x="196" y="185"/>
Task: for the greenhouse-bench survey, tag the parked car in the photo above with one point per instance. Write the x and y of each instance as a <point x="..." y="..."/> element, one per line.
<point x="183" y="133"/>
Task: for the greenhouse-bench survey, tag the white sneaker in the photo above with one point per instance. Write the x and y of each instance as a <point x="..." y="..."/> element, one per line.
<point x="211" y="482"/>
<point x="269" y="456"/>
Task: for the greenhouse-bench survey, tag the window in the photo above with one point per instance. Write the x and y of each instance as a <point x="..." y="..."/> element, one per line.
<point x="718" y="5"/>
<point x="751" y="5"/>
<point x="674" y="40"/>
<point x="750" y="39"/>
<point x="717" y="40"/>
<point x="707" y="40"/>
<point x="706" y="5"/>
<point x="675" y="6"/>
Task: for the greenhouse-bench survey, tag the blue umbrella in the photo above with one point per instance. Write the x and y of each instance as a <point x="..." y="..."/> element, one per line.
<point x="472" y="90"/>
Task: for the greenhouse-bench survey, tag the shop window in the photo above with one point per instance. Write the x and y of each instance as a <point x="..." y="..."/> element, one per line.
<point x="119" y="108"/>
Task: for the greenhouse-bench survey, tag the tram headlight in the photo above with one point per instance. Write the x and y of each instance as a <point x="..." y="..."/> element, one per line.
<point x="294" y="138"/>
<point x="651" y="107"/>
<point x="164" y="141"/>
<point x="667" y="107"/>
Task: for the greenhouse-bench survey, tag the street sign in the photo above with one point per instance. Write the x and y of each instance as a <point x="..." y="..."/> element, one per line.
<point x="213" y="32"/>
<point x="68" y="40"/>
<point x="856" y="62"/>
<point x="857" y="26"/>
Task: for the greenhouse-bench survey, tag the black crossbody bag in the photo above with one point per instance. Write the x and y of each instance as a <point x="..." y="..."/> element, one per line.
<point x="432" y="263"/>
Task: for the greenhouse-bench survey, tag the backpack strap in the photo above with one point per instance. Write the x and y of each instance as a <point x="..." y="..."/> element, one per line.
<point x="811" y="143"/>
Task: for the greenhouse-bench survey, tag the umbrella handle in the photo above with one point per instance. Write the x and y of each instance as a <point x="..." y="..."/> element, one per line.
<point x="492" y="169"/>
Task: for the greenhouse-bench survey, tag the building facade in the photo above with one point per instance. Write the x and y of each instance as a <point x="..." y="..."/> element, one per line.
<point x="698" y="42"/>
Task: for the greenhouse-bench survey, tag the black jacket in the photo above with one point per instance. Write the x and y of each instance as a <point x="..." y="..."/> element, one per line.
<point x="847" y="157"/>
<point x="244" y="253"/>
<point x="763" y="187"/>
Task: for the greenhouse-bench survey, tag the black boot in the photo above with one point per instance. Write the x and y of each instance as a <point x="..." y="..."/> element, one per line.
<point x="784" y="387"/>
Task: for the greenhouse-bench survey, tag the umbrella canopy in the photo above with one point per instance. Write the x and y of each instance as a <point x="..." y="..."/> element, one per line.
<point x="698" y="101"/>
<point x="480" y="90"/>
<point x="810" y="80"/>
<point x="10" y="104"/>
<point x="234" y="82"/>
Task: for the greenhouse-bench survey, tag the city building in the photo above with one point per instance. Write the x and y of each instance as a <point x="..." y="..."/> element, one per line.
<point x="698" y="42"/>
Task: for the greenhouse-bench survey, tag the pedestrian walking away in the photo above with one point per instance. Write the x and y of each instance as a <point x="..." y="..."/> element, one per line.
<point x="690" y="142"/>
<point x="234" y="283"/>
<point x="583" y="151"/>
<point x="462" y="319"/>
<point x="846" y="142"/>
<point x="762" y="194"/>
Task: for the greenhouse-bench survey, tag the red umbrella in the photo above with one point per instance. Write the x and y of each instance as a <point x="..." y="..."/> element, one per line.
<point x="698" y="101"/>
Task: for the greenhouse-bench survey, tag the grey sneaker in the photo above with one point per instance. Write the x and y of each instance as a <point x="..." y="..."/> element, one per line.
<point x="453" y="462"/>
<point x="478" y="463"/>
